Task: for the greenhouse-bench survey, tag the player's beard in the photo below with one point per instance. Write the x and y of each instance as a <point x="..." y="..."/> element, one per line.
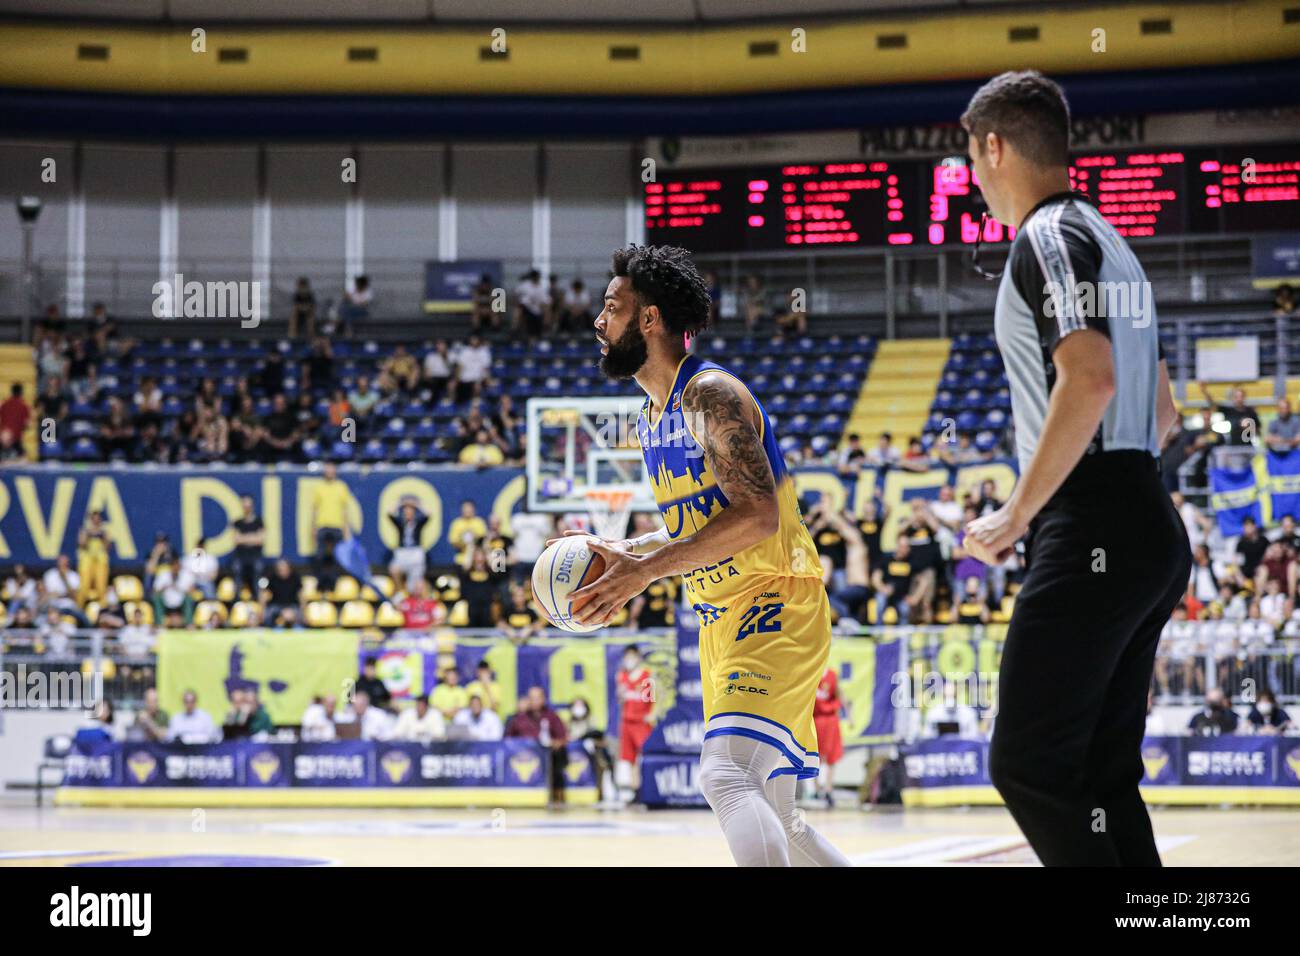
<point x="627" y="354"/>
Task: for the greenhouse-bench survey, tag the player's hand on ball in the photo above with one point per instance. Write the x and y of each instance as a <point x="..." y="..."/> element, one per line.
<point x="623" y="579"/>
<point x="992" y="539"/>
<point x="618" y="545"/>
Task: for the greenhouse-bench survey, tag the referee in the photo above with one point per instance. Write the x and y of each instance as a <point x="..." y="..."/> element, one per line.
<point x="1108" y="556"/>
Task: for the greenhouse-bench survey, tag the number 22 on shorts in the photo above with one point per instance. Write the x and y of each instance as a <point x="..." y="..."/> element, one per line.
<point x="762" y="619"/>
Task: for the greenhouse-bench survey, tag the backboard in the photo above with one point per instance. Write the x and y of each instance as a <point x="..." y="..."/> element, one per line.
<point x="576" y="444"/>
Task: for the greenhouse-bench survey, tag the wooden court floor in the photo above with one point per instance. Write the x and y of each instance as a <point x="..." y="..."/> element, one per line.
<point x="576" y="837"/>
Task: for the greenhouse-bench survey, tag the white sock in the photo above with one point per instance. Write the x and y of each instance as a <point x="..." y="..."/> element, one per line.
<point x="733" y="770"/>
<point x="807" y="846"/>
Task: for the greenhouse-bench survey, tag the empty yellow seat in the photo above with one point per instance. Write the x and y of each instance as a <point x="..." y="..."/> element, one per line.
<point x="226" y="591"/>
<point x="346" y="588"/>
<point x="389" y="616"/>
<point x="241" y="614"/>
<point x="459" y="616"/>
<point x="128" y="588"/>
<point x="382" y="584"/>
<point x="357" y="614"/>
<point x="322" y="614"/>
<point x="310" y="589"/>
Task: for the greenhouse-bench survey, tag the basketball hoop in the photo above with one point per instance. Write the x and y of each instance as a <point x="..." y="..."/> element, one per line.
<point x="609" y="510"/>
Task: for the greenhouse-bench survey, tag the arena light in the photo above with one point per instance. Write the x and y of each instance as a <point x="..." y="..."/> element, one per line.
<point x="29" y="209"/>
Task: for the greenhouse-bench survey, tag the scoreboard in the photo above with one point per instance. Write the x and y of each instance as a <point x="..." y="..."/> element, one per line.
<point x="875" y="202"/>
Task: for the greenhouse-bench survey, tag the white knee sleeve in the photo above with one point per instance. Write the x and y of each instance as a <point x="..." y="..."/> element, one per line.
<point x="807" y="846"/>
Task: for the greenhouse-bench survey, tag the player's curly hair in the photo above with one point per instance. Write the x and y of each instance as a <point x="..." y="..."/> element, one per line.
<point x="666" y="276"/>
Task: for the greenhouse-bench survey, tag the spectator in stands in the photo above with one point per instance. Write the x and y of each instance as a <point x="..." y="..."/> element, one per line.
<point x="55" y="633"/>
<point x="553" y="735"/>
<point x="926" y="558"/>
<point x="915" y="458"/>
<point x="373" y="685"/>
<point x="482" y="452"/>
<point x="533" y="301"/>
<point x="138" y="638"/>
<point x="19" y="589"/>
<point x="171" y="598"/>
<point x="1250" y="548"/>
<point x="50" y="360"/>
<point x="466" y="530"/>
<point x="53" y="402"/>
<point x="437" y="369"/>
<point x="281" y="439"/>
<point x="715" y="298"/>
<point x="280" y="597"/>
<point x="884" y="454"/>
<point x="151" y="721"/>
<point x="478" y="722"/>
<point x="575" y="314"/>
<point x="1285" y="303"/>
<point x="200" y="565"/>
<point x="1267" y="717"/>
<point x="852" y="456"/>
<point x="93" y="546"/>
<point x="420" y="723"/>
<point x="1283" y="430"/>
<point x="400" y="372"/>
<point x="148" y="404"/>
<point x="481" y="588"/>
<point x="374" y="722"/>
<point x="192" y="725"/>
<point x="420" y="610"/>
<point x="531" y="530"/>
<point x="554" y="303"/>
<point x="246" y="431"/>
<point x="363" y="399"/>
<point x="753" y="303"/>
<point x="250" y="535"/>
<point x="894" y="581"/>
<point x="409" y="560"/>
<point x="1198" y="524"/>
<point x="520" y="622"/>
<point x="1216" y="718"/>
<point x="1274" y="605"/>
<point x="449" y="697"/>
<point x="340" y="409"/>
<point x="472" y="363"/>
<point x="62" y="585"/>
<point x="966" y="566"/>
<point x="484" y="686"/>
<point x="483" y="314"/>
<point x="971" y="605"/>
<point x="329" y="509"/>
<point x="1243" y="421"/>
<point x="15" y="415"/>
<point x="1204" y="585"/>
<point x="317" y="722"/>
<point x="318" y="369"/>
<point x="302" y="317"/>
<point x="508" y="426"/>
<point x="355" y="308"/>
<point x="247" y="717"/>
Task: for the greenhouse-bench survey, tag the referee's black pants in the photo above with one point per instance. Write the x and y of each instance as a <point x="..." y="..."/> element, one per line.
<point x="1109" y="560"/>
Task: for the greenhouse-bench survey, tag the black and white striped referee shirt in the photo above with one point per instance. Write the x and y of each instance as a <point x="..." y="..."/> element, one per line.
<point x="1069" y="269"/>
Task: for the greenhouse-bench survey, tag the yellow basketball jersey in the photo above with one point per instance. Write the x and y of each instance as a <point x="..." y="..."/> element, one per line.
<point x="689" y="497"/>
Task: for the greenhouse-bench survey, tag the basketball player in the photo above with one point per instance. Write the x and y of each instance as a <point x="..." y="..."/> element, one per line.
<point x="734" y="532"/>
<point x="1108" y="556"/>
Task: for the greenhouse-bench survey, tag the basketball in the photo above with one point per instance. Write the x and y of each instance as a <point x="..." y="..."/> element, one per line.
<point x="565" y="566"/>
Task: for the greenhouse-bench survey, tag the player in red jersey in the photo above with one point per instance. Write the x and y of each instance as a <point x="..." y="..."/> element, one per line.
<point x="826" y="718"/>
<point x="636" y="692"/>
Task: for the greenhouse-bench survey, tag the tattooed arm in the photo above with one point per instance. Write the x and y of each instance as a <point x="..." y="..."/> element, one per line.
<point x="725" y="424"/>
